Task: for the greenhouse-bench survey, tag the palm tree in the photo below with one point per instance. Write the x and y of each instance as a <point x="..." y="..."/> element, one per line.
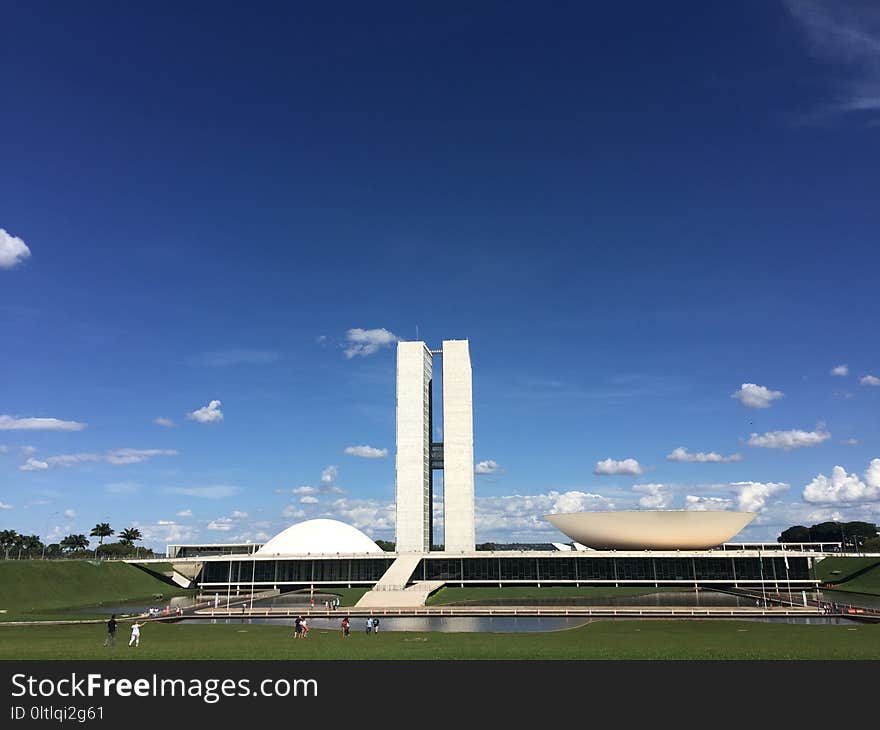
<point x="31" y="544"/>
<point x="75" y="542"/>
<point x="129" y="536"/>
<point x="8" y="539"/>
<point x="101" y="530"/>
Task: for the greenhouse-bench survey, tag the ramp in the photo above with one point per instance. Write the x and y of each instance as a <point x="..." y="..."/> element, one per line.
<point x="391" y="590"/>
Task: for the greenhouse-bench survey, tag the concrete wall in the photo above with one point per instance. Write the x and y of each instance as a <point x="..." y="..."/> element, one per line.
<point x="458" y="447"/>
<point x="413" y="505"/>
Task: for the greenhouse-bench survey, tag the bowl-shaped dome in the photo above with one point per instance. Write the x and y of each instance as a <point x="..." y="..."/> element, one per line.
<point x="319" y="536"/>
<point x="651" y="529"/>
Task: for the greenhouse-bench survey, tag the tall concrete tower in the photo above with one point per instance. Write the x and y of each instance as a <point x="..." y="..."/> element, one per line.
<point x="414" y="483"/>
<point x="458" y="446"/>
<point x="418" y="457"/>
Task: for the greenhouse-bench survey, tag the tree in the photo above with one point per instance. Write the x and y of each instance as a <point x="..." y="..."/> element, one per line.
<point x="798" y="533"/>
<point x="386" y="545"/>
<point x="101" y="530"/>
<point x="129" y="536"/>
<point x="8" y="540"/>
<point x="75" y="542"/>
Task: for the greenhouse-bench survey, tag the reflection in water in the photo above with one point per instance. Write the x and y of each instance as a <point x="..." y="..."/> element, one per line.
<point x="448" y="624"/>
<point x="142" y="606"/>
<point x="683" y="599"/>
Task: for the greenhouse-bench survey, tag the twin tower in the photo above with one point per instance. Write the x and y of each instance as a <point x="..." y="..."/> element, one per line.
<point x="418" y="455"/>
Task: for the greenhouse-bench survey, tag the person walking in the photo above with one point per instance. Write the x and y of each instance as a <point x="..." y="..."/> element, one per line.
<point x="297" y="627"/>
<point x="111" y="631"/>
<point x="369" y="626"/>
<point x="376" y="626"/>
<point x="135" y="635"/>
<point x="346" y="627"/>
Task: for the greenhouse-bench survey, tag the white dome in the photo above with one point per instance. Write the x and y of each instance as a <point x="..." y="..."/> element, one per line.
<point x="319" y="536"/>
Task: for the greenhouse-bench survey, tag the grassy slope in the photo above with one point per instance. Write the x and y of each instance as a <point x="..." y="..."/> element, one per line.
<point x="448" y="595"/>
<point x="37" y="589"/>
<point x="713" y="639"/>
<point x="846" y="566"/>
<point x="868" y="582"/>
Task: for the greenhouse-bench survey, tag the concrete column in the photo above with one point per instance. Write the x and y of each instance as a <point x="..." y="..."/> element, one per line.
<point x="458" y="447"/>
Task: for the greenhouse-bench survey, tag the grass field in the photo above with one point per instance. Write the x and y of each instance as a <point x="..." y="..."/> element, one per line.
<point x="55" y="589"/>
<point x="867" y="582"/>
<point x="711" y="639"/>
<point x="838" y="570"/>
<point x="550" y="594"/>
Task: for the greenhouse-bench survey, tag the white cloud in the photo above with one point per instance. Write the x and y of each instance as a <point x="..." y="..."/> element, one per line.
<point x="308" y="500"/>
<point x="33" y="464"/>
<point x="869" y="380"/>
<point x="753" y="496"/>
<point x="366" y="342"/>
<point x="368" y="515"/>
<point x="28" y="450"/>
<point x="794" y="439"/>
<point x="70" y="513"/>
<point x="328" y="476"/>
<point x="366" y="452"/>
<point x="610" y="466"/>
<point x="117" y="457"/>
<point x="12" y="250"/>
<point x="756" y="396"/>
<point x="3" y="505"/>
<point x="521" y="517"/>
<point x="840" y="370"/>
<point x="846" y="34"/>
<point x="221" y="524"/>
<point x="8" y="423"/>
<point x="210" y="413"/>
<point x="657" y="496"/>
<point x="845" y="488"/>
<point x="165" y="523"/>
<point x="164" y="532"/>
<point x="293" y="511"/>
<point x="238" y="515"/>
<point x="850" y="442"/>
<point x="304" y="490"/>
<point x="166" y="422"/>
<point x="217" y="491"/>
<point x="185" y="513"/>
<point x="706" y="504"/>
<point x="682" y="454"/>
<point x="488" y="467"/>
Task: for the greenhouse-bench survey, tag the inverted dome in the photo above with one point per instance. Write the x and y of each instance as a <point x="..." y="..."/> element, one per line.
<point x="651" y="529"/>
<point x="319" y="536"/>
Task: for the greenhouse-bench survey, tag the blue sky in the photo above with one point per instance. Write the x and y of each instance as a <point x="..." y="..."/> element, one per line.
<point x="633" y="213"/>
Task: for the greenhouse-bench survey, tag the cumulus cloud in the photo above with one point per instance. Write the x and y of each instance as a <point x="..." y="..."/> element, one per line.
<point x="117" y="457"/>
<point x="488" y="467"/>
<point x="521" y="517"/>
<point x="682" y="454"/>
<point x="217" y="491"/>
<point x="3" y="505"/>
<point x="293" y="512"/>
<point x="366" y="452"/>
<point x="164" y="532"/>
<point x="756" y="396"/>
<point x="238" y="515"/>
<point x="8" y="423"/>
<point x="706" y="504"/>
<point x="869" y="380"/>
<point x="185" y="513"/>
<point x="369" y="515"/>
<point x="70" y="513"/>
<point x="753" y="496"/>
<point x="794" y="439"/>
<point x="610" y="466"/>
<point x="12" y="250"/>
<point x="210" y="413"/>
<point x="304" y="490"/>
<point x="845" y="488"/>
<point x="308" y="500"/>
<point x="363" y="342"/>
<point x="33" y="464"/>
<point x="166" y="422"/>
<point x="221" y="524"/>
<point x="657" y="496"/>
<point x="840" y="370"/>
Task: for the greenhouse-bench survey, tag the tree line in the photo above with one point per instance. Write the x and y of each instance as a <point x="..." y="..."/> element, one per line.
<point x="856" y="536"/>
<point x="18" y="546"/>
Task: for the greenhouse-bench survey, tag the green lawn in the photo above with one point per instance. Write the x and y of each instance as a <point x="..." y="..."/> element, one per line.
<point x="661" y="639"/>
<point x="530" y="594"/>
<point x="867" y="582"/>
<point x="838" y="570"/>
<point x="55" y="589"/>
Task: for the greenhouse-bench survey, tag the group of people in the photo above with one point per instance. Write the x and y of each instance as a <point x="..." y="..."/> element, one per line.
<point x="330" y="604"/>
<point x="301" y="628"/>
<point x="112" y="625"/>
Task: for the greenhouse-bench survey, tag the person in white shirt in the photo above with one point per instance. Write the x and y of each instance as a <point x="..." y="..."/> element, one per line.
<point x="135" y="634"/>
